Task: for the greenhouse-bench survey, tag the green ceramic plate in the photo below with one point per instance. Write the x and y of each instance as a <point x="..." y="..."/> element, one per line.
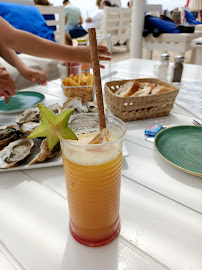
<point x="21" y="101"/>
<point x="181" y="146"/>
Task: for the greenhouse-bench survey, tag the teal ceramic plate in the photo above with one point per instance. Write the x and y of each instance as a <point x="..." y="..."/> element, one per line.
<point x="21" y="101"/>
<point x="181" y="146"/>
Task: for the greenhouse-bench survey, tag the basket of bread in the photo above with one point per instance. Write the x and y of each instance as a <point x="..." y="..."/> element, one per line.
<point x="140" y="99"/>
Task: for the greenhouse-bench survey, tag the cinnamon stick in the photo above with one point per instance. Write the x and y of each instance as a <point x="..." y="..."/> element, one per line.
<point x="97" y="78"/>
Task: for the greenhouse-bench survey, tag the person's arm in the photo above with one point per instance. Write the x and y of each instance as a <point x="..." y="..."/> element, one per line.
<point x="27" y="43"/>
<point x="7" y="85"/>
<point x="88" y="20"/>
<point x="28" y="73"/>
<point x="81" y="20"/>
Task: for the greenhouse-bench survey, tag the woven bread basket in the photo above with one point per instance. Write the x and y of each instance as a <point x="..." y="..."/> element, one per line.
<point x="136" y="108"/>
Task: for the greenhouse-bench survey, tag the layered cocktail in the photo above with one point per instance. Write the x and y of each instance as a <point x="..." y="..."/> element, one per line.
<point x="93" y="174"/>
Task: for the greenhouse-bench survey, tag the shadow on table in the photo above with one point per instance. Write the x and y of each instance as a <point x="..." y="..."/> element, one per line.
<point x="124" y="164"/>
<point x="77" y="256"/>
<point x="178" y="175"/>
<point x="9" y="182"/>
<point x="144" y="123"/>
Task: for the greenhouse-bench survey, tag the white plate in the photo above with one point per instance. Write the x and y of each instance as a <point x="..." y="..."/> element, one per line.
<point x="57" y="161"/>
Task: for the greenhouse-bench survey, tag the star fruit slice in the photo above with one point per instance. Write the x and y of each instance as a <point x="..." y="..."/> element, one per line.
<point x="53" y="127"/>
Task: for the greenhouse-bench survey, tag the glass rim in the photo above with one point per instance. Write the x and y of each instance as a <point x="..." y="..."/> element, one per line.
<point x="71" y="142"/>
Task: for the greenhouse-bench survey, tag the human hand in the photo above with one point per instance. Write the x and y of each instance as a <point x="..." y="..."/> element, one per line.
<point x="103" y="54"/>
<point x="33" y="75"/>
<point x="7" y="85"/>
<point x="83" y="53"/>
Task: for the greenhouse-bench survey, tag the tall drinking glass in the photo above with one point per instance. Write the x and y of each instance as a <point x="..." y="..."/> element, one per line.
<point x="93" y="178"/>
<point x="66" y="69"/>
<point x="105" y="40"/>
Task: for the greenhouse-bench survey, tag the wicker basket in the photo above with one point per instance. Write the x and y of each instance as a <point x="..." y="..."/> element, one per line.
<point x="85" y="92"/>
<point x="135" y="108"/>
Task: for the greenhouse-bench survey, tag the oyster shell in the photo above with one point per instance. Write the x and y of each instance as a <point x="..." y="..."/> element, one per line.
<point x="29" y="115"/>
<point x="15" y="153"/>
<point x="45" y="153"/>
<point x="8" y="135"/>
<point x="75" y="103"/>
<point x="28" y="127"/>
<point x="92" y="106"/>
<point x="55" y="108"/>
<point x="9" y="125"/>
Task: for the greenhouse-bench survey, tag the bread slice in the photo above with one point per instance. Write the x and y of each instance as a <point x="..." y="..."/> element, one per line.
<point x="161" y="89"/>
<point x="127" y="89"/>
<point x="134" y="88"/>
<point x="142" y="92"/>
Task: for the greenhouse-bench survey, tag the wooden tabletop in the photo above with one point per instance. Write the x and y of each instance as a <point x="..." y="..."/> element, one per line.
<point x="160" y="206"/>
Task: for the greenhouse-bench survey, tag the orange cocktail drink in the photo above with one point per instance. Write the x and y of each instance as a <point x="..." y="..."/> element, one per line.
<point x="93" y="174"/>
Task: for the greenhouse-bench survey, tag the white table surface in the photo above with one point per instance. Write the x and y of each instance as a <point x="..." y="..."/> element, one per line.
<point x="160" y="208"/>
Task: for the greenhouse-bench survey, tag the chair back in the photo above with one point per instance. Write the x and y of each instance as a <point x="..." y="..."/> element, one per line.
<point x="59" y="20"/>
<point x="117" y="23"/>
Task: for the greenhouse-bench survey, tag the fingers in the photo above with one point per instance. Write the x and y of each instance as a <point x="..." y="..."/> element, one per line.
<point x="103" y="54"/>
<point x="101" y="66"/>
<point x="102" y="58"/>
<point x="7" y="85"/>
<point x="6" y="94"/>
<point x="103" y="50"/>
<point x="39" y="77"/>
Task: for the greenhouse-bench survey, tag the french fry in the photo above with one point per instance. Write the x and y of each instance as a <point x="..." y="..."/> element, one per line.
<point x="82" y="79"/>
<point x="72" y="82"/>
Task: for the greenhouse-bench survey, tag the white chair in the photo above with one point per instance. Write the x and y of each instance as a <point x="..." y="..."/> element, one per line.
<point x="169" y="42"/>
<point x="117" y="23"/>
<point x="59" y="21"/>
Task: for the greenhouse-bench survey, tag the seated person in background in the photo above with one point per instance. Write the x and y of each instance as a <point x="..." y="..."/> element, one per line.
<point x="129" y="4"/>
<point x="91" y="22"/>
<point x="22" y="41"/>
<point x="47" y="17"/>
<point x="72" y="16"/>
<point x="115" y="3"/>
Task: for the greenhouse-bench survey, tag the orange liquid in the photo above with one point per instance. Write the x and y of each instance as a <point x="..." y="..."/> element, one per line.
<point x="93" y="196"/>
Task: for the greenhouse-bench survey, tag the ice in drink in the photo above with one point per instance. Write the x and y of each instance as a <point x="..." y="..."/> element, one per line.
<point x="93" y="174"/>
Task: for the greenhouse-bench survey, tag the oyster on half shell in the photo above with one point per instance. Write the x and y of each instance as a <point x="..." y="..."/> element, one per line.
<point x="28" y="127"/>
<point x="55" y="108"/>
<point x="75" y="103"/>
<point x="92" y="106"/>
<point x="15" y="153"/>
<point x="45" y="153"/>
<point x="8" y="135"/>
<point x="29" y="115"/>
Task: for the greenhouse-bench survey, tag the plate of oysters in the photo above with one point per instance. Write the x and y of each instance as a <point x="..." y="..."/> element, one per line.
<point x="19" y="153"/>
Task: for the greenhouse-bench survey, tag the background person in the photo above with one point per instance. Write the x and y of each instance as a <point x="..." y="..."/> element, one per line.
<point x="72" y="16"/>
<point x="90" y="22"/>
